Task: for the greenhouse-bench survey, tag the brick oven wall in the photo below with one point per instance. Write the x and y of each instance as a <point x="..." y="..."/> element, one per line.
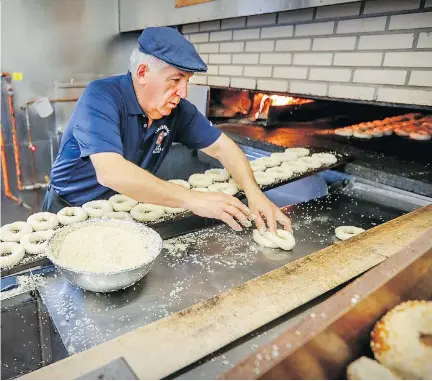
<point x="370" y="50"/>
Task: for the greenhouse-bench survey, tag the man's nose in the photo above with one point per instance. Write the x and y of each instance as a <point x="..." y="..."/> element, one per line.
<point x="182" y="90"/>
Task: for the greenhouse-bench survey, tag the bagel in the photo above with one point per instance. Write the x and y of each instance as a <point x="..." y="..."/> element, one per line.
<point x="72" y="214"/>
<point x="264" y="178"/>
<point x="343" y="131"/>
<point x="395" y="340"/>
<point x="122" y="203"/>
<point x="147" y="212"/>
<point x="298" y="151"/>
<point x="200" y="189"/>
<point x="347" y="232"/>
<point x="124" y="216"/>
<point x="218" y="174"/>
<point x="227" y="188"/>
<point x="170" y="210"/>
<point x="268" y="161"/>
<point x="365" y="368"/>
<point x="15" y="253"/>
<point x="257" y="166"/>
<point x="43" y="221"/>
<point x="362" y="135"/>
<point x="182" y="183"/>
<point x="296" y="166"/>
<point x="420" y="135"/>
<point x="326" y="158"/>
<point x="262" y="241"/>
<point x="284" y="156"/>
<point x="97" y="208"/>
<point x="281" y="239"/>
<point x="36" y="242"/>
<point x="14" y="231"/>
<point x="200" y="180"/>
<point x="376" y="133"/>
<point x="311" y="162"/>
<point x="281" y="173"/>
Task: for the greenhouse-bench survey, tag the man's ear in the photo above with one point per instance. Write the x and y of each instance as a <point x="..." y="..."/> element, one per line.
<point x="141" y="73"/>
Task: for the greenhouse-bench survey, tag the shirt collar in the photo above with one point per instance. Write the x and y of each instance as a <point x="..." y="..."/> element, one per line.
<point x="128" y="91"/>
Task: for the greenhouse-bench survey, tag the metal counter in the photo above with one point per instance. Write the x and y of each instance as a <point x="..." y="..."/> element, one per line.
<point x="198" y="266"/>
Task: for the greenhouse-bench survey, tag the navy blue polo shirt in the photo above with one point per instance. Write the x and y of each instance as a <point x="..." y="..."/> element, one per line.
<point x="108" y="118"/>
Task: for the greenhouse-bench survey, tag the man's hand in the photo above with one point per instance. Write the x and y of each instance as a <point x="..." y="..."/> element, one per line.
<point x="221" y="206"/>
<point x="261" y="206"/>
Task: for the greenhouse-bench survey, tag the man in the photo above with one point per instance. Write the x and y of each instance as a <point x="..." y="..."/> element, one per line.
<point x="122" y="128"/>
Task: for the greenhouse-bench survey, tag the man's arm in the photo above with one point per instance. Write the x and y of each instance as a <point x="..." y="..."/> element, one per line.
<point x="235" y="161"/>
<point x="119" y="174"/>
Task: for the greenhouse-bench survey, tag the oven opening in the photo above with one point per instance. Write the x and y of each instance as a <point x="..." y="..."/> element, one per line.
<point x="383" y="128"/>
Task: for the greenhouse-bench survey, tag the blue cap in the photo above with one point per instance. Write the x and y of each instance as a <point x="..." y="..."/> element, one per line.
<point x="170" y="46"/>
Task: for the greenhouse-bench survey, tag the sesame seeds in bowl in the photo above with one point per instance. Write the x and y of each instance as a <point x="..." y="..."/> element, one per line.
<point x="104" y="255"/>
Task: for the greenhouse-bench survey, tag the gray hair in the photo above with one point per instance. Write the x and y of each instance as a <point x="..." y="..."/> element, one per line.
<point x="138" y="58"/>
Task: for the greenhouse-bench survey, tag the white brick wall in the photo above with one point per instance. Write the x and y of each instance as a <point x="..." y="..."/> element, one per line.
<point x="258" y="71"/>
<point x="303" y="87"/>
<point x="351" y="92"/>
<point x="386" y="41"/>
<point x="290" y="72"/>
<point x="374" y="50"/>
<point x="425" y="40"/>
<point x="334" y="43"/>
<point x="315" y="29"/>
<point x="384" y="6"/>
<point x="292" y="45"/>
<point x="379" y="76"/>
<point x="340" y="10"/>
<point x="421" y="78"/>
<point x="243" y="83"/>
<point x="371" y="24"/>
<point x="275" y="58"/>
<point x="330" y="74"/>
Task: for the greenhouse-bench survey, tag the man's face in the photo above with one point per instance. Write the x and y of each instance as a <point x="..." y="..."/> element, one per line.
<point x="159" y="90"/>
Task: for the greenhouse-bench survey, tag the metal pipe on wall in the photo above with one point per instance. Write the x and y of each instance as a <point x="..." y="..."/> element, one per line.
<point x="17" y="157"/>
<point x="32" y="149"/>
<point x="5" y="172"/>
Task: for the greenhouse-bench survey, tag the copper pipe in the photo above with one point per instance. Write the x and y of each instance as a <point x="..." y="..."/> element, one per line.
<point x="5" y="172"/>
<point x="33" y="164"/>
<point x="52" y="100"/>
<point x="14" y="130"/>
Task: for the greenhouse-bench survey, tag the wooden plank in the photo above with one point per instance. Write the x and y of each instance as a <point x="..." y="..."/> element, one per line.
<point x="185" y="3"/>
<point x="167" y="345"/>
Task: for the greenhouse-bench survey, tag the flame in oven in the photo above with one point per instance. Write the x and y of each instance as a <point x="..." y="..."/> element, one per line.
<point x="279" y="100"/>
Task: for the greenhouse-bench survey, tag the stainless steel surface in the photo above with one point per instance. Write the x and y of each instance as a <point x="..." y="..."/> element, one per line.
<point x="386" y="195"/>
<point x="138" y="14"/>
<point x="105" y="281"/>
<point x="195" y="267"/>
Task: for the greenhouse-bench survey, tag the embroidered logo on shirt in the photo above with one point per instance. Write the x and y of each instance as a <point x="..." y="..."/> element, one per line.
<point x="162" y="132"/>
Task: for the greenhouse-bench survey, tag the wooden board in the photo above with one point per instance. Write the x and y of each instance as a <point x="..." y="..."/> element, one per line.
<point x="167" y="345"/>
<point x="185" y="3"/>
